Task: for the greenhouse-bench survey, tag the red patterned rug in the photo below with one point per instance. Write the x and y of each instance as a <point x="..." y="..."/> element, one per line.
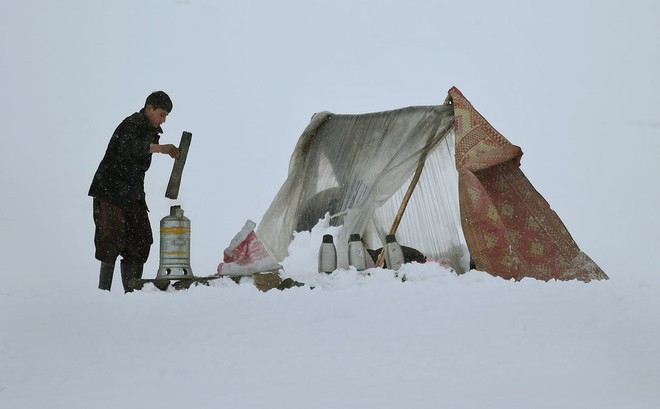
<point x="509" y="227"/>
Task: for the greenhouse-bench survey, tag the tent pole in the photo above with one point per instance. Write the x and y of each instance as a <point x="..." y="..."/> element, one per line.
<point x="406" y="198"/>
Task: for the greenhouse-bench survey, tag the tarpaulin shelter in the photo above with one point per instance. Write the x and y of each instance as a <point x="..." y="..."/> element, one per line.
<point x="452" y="182"/>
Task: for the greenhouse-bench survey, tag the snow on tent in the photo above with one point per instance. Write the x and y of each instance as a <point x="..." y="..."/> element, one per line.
<point x="470" y="201"/>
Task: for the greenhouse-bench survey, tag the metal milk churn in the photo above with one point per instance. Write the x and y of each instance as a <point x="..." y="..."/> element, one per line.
<point x="393" y="253"/>
<point x="174" y="245"/>
<point x="327" y="255"/>
<point x="356" y="253"/>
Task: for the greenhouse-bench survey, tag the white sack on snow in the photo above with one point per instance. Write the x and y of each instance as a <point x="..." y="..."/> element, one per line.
<point x="246" y="255"/>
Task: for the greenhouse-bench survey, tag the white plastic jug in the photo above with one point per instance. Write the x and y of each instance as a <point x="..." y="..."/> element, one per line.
<point x="393" y="253"/>
<point x="327" y="255"/>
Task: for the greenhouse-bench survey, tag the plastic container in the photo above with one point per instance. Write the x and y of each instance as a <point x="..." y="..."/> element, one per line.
<point x="357" y="253"/>
<point x="327" y="255"/>
<point x="393" y="253"/>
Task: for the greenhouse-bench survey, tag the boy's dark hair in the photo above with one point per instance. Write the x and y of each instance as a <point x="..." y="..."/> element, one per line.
<point x="159" y="99"/>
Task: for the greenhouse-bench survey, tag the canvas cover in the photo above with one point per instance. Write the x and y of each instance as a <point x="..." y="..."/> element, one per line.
<point x="471" y="201"/>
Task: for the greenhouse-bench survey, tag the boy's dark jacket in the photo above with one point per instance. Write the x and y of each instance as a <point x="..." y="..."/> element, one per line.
<point x="120" y="176"/>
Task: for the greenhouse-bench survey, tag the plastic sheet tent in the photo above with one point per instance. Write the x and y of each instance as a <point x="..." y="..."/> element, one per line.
<point x="472" y="201"/>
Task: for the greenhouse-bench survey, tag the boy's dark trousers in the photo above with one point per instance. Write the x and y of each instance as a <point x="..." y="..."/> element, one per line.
<point x="121" y="231"/>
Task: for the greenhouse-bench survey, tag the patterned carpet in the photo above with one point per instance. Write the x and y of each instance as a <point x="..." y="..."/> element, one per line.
<point x="509" y="227"/>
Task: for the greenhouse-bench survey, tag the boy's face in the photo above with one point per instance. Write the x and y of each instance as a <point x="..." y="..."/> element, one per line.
<point x="156" y="116"/>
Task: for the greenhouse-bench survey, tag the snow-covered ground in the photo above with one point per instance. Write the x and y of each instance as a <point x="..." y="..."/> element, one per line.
<point x="574" y="83"/>
<point x="353" y="341"/>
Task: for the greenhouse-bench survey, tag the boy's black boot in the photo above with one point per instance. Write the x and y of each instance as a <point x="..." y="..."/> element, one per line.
<point x="105" y="276"/>
<point x="130" y="271"/>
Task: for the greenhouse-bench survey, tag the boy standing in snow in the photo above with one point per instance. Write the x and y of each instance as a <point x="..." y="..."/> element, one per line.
<point x="120" y="209"/>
